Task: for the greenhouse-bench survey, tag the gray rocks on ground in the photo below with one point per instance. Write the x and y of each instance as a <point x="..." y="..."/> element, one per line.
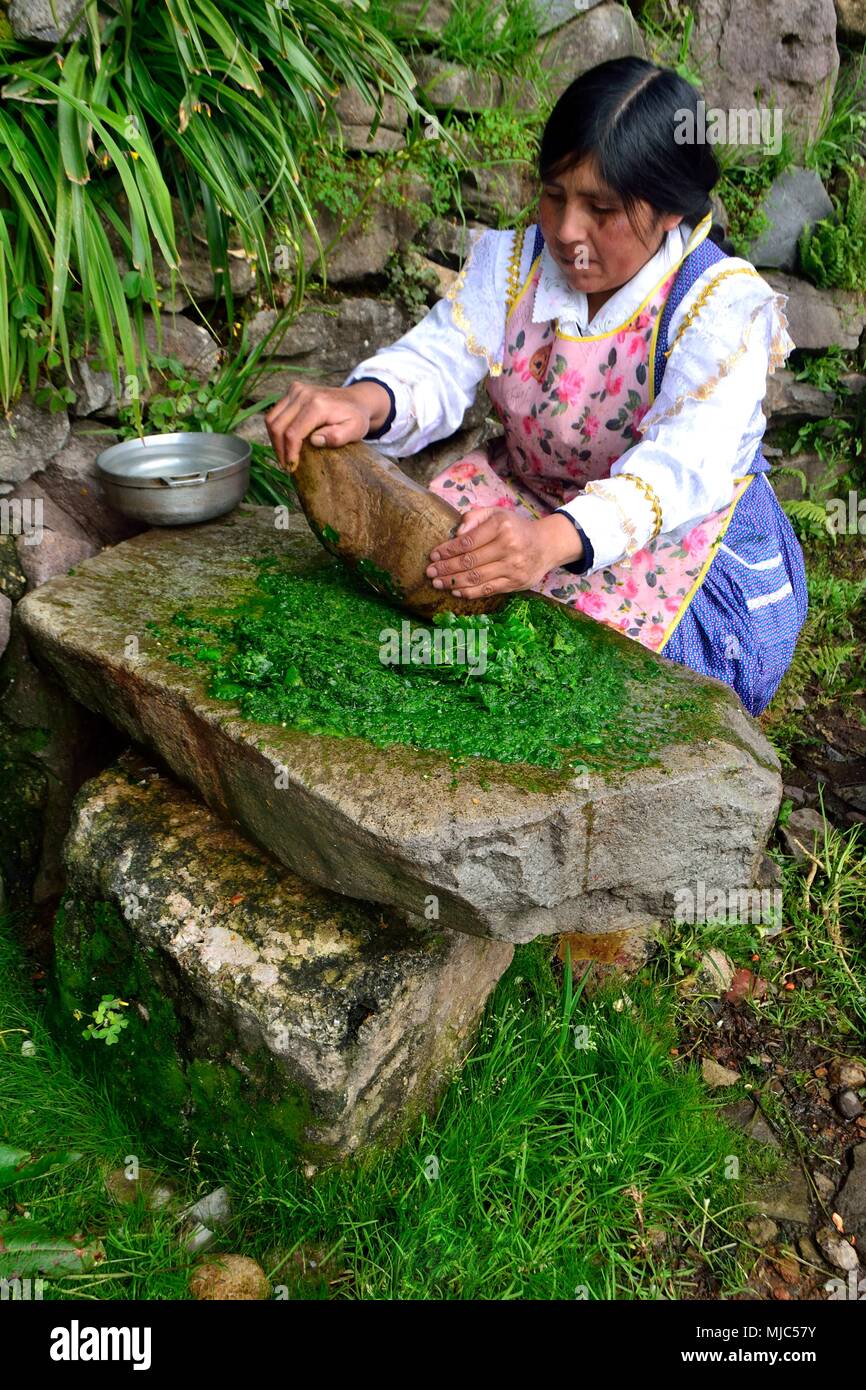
<point x="194" y="275"/>
<point x="450" y="242"/>
<point x="851" y="1203"/>
<point x="449" y="86"/>
<point x="853" y="383"/>
<point x="172" y="335"/>
<point x="786" y="1199"/>
<point x="797" y="199"/>
<point x="175" y="335"/>
<point x="824" y="1186"/>
<point x="820" y="475"/>
<point x="606" y="31"/>
<point x="73" y="483"/>
<point x="819" y="319"/>
<point x="363" y="1017"/>
<point x="792" y="399"/>
<point x="796" y="795"/>
<point x="762" y="1230"/>
<point x="51" y="745"/>
<point x="750" y="1118"/>
<point x="438" y="276"/>
<point x="421" y="18"/>
<point x="803" y="834"/>
<point x="94" y="390"/>
<point x="851" y="15"/>
<point x="326" y="341"/>
<point x="715" y="971"/>
<point x="28" y="439"/>
<point x="552" y="14"/>
<point x="847" y="1074"/>
<point x="837" y="1249"/>
<point x="509" y="862"/>
<point x="715" y="1075"/>
<point x="848" y="1104"/>
<point x="357" y="117"/>
<point x="499" y="191"/>
<point x="147" y="1186"/>
<point x="779" y="54"/>
<point x="768" y="874"/>
<point x="54" y="542"/>
<point x="47" y="21"/>
<point x="358" y="250"/>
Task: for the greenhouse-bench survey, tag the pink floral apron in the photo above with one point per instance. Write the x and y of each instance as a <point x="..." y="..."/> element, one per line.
<point x="570" y="407"/>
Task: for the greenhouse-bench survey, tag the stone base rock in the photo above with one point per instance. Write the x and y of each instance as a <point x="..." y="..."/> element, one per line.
<point x="796" y="200"/>
<point x="819" y="319"/>
<point x="51" y="542"/>
<point x="606" y="31"/>
<point x="507" y="852"/>
<point x="780" y="53"/>
<point x="312" y="1010"/>
<point x="28" y="439"/>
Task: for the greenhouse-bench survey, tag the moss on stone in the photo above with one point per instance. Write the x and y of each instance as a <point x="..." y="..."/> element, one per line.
<point x="12" y="581"/>
<point x="23" y="792"/>
<point x="154" y="1070"/>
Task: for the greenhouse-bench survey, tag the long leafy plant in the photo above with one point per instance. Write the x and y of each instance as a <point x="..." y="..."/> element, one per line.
<point x="144" y="107"/>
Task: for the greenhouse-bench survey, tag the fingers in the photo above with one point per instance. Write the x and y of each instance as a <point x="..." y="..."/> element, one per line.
<point x="491" y="580"/>
<point x="343" y="432"/>
<point x="474" y="517"/>
<point x="486" y="522"/>
<point x="280" y="416"/>
<point x="325" y="415"/>
<point x="463" y="569"/>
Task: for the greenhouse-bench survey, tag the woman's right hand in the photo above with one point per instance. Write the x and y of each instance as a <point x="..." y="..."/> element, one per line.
<point x="328" y="415"/>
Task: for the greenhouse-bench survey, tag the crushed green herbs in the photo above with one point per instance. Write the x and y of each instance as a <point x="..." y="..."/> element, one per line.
<point x="308" y="652"/>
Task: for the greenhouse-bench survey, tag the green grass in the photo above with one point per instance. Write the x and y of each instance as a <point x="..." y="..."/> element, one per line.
<point x="841" y="140"/>
<point x="486" y="35"/>
<point x="552" y="1164"/>
<point x="46" y="1105"/>
<point x="542" y="1174"/>
<point x="823" y="933"/>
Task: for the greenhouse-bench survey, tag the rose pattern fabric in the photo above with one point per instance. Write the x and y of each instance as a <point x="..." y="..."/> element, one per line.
<point x="569" y="408"/>
<point x="641" y="602"/>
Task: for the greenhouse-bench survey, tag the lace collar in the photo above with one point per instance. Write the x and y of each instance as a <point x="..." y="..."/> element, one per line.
<point x="556" y="299"/>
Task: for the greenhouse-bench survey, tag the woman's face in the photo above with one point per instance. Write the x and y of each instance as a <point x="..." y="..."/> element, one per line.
<point x="581" y="218"/>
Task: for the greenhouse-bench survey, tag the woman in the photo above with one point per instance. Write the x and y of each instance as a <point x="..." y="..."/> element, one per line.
<point x="626" y="357"/>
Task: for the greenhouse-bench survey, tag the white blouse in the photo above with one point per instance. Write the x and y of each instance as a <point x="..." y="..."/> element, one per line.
<point x="703" y="428"/>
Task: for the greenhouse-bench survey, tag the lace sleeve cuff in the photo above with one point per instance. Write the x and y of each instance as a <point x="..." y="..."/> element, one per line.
<point x="477" y="297"/>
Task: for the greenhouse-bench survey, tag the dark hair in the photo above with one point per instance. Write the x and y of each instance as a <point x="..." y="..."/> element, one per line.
<point x="624" y="114"/>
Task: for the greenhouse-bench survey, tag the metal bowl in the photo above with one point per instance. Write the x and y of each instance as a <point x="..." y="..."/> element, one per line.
<point x="175" y="479"/>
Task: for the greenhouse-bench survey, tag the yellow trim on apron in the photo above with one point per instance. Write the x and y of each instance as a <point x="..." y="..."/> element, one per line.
<point x="526" y="284"/>
<point x="699" y="578"/>
<point x="694" y="241"/>
<point x="700" y="232"/>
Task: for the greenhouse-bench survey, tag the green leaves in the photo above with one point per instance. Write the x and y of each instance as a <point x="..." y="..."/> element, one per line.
<point x="107" y="1020"/>
<point x="29" y="1248"/>
<point x="19" y="1165"/>
<point x="171" y="102"/>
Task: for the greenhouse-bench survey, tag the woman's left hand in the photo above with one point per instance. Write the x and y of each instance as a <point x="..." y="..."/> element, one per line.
<point x="496" y="551"/>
